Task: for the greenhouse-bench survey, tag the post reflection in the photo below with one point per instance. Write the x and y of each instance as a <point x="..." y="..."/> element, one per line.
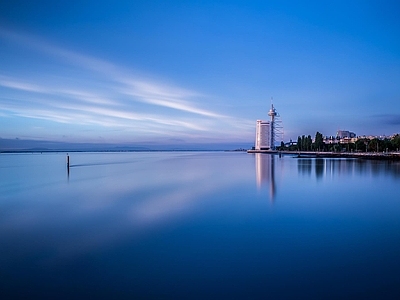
<point x="265" y="173"/>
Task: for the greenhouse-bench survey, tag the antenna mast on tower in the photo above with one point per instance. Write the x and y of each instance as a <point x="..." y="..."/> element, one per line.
<point x="276" y="126"/>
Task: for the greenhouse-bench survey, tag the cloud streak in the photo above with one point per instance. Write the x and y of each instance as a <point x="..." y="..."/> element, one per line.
<point x="148" y="92"/>
<point x="122" y="101"/>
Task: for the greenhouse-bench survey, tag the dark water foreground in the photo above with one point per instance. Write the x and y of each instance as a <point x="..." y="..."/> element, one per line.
<point x="198" y="225"/>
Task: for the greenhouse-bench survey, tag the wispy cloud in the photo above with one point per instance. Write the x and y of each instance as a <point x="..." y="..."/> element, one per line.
<point x="124" y="100"/>
<point x="18" y="85"/>
<point x="149" y="92"/>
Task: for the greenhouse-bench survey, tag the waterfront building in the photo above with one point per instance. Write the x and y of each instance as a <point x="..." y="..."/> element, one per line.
<point x="342" y="136"/>
<point x="266" y="131"/>
<point x="263" y="135"/>
<point x="345" y="134"/>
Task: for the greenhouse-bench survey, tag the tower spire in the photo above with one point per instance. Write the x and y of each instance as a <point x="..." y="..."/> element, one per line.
<point x="272" y="103"/>
<point x="272" y="112"/>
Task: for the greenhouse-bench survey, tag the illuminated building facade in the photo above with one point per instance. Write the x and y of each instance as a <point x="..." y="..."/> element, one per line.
<point x="263" y="135"/>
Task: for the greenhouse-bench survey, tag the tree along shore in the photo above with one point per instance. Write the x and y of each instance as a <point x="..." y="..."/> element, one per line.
<point x="367" y="148"/>
<point x="366" y="145"/>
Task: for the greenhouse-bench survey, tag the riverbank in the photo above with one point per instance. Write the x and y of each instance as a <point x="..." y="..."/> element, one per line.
<point x="316" y="154"/>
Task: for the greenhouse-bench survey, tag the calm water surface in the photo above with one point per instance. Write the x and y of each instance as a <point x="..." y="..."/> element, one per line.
<point x="198" y="225"/>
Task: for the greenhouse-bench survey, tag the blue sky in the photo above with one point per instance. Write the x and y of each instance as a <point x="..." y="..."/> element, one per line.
<point x="196" y="71"/>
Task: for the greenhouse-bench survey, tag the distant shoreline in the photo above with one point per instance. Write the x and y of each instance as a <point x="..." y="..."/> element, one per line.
<point x="297" y="154"/>
<point x="108" y="151"/>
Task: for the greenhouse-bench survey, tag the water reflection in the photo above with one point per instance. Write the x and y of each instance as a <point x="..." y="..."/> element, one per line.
<point x="304" y="166"/>
<point x="265" y="172"/>
<point x="319" y="167"/>
<point x="178" y="223"/>
<point x="143" y="192"/>
<point x="333" y="167"/>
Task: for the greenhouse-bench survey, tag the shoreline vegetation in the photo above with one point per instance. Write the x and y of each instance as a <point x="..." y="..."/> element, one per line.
<point x="339" y="147"/>
<point x="344" y="144"/>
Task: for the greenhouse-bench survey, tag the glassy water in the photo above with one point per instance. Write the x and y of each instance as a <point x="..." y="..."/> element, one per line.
<point x="198" y="225"/>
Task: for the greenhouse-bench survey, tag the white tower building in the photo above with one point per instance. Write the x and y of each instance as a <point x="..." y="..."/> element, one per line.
<point x="263" y="135"/>
<point x="265" y="132"/>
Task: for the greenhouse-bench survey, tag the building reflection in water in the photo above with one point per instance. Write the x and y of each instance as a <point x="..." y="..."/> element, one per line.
<point x="265" y="172"/>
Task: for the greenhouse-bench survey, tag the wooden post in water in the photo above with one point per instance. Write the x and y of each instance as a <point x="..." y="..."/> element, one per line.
<point x="68" y="165"/>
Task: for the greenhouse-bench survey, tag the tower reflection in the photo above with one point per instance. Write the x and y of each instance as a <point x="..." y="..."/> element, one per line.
<point x="265" y="172"/>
